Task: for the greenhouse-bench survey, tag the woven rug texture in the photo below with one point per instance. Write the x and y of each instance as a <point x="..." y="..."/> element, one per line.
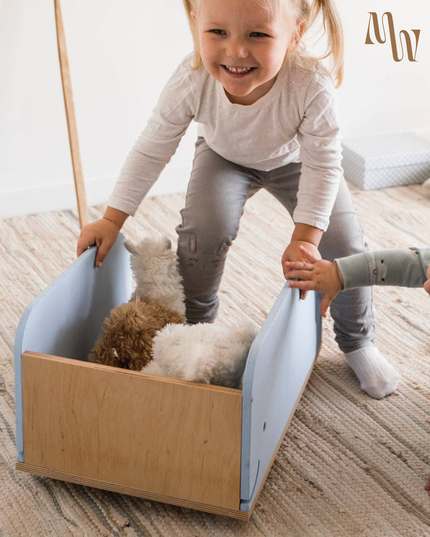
<point x="348" y="466"/>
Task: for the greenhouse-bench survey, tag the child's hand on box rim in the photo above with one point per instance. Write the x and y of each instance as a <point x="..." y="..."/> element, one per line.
<point x="427" y="283"/>
<point x="295" y="253"/>
<point x="315" y="274"/>
<point x="103" y="233"/>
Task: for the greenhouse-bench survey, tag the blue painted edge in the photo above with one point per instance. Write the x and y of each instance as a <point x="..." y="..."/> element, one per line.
<point x="249" y="375"/>
<point x="19" y="337"/>
<point x="245" y="505"/>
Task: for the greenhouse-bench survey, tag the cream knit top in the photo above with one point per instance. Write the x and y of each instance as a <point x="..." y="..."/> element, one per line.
<point x="296" y="121"/>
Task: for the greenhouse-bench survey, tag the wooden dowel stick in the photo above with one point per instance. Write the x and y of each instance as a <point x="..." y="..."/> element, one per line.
<point x="71" y="119"/>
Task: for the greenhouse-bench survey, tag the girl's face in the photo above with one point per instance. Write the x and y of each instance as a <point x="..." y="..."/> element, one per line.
<point x="242" y="46"/>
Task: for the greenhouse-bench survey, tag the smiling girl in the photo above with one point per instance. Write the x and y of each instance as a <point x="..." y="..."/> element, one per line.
<point x="266" y="117"/>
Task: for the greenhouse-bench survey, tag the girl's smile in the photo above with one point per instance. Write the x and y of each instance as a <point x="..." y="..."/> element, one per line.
<point x="238" y="72"/>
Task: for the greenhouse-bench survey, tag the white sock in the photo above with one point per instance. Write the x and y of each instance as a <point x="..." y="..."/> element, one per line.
<point x="377" y="376"/>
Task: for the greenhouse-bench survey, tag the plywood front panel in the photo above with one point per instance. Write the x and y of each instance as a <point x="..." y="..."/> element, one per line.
<point x="166" y="436"/>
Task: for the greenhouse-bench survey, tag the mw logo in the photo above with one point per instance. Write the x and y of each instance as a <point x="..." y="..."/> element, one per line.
<point x="407" y="38"/>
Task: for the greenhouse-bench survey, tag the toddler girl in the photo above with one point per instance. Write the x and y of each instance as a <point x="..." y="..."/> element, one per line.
<point x="267" y="119"/>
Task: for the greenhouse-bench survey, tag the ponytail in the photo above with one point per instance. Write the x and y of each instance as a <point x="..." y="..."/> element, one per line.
<point x="333" y="26"/>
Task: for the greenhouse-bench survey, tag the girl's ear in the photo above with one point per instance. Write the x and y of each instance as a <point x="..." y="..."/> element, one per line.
<point x="193" y="15"/>
<point x="297" y="36"/>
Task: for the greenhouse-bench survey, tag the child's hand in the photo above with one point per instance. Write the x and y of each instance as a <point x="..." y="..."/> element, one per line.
<point x="295" y="253"/>
<point x="427" y="283"/>
<point x="317" y="275"/>
<point x="103" y="233"/>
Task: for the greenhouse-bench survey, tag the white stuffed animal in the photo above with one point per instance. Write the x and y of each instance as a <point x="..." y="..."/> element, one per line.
<point x="155" y="270"/>
<point x="204" y="352"/>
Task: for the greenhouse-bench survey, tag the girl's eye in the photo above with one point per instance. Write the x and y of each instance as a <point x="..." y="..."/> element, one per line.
<point x="217" y="32"/>
<point x="258" y="34"/>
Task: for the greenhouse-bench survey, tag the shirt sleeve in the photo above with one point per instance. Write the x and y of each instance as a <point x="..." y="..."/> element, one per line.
<point x="157" y="143"/>
<point x="402" y="268"/>
<point x="320" y="153"/>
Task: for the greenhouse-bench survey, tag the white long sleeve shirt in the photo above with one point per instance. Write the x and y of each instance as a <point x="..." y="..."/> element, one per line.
<point x="296" y="121"/>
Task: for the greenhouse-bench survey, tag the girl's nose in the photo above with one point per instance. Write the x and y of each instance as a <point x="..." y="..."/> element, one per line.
<point x="236" y="48"/>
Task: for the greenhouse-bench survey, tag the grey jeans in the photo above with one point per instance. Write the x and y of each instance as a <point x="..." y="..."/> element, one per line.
<point x="216" y="196"/>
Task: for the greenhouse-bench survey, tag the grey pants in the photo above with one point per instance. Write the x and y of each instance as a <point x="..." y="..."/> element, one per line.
<point x="216" y="196"/>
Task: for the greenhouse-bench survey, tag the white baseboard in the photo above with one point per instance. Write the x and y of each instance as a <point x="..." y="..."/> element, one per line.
<point x="62" y="197"/>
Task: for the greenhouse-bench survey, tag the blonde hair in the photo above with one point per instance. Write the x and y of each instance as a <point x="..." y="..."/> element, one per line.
<point x="306" y="13"/>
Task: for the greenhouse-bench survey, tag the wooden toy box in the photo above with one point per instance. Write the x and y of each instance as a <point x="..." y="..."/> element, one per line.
<point x="195" y="445"/>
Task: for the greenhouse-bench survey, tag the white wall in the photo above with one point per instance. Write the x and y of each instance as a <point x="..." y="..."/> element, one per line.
<point x="121" y="52"/>
<point x="379" y="95"/>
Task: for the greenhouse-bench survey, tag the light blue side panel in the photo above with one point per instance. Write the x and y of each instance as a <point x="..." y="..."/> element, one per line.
<point x="66" y="318"/>
<point x="278" y="364"/>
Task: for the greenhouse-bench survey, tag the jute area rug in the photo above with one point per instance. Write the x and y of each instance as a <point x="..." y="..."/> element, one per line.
<point x="349" y="465"/>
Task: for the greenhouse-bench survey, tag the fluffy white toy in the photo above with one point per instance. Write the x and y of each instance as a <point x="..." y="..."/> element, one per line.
<point x="205" y="352"/>
<point x="154" y="267"/>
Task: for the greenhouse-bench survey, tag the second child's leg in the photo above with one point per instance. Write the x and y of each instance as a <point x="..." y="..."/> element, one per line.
<point x="216" y="195"/>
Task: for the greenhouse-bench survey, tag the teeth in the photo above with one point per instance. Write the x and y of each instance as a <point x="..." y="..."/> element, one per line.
<point x="235" y="70"/>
